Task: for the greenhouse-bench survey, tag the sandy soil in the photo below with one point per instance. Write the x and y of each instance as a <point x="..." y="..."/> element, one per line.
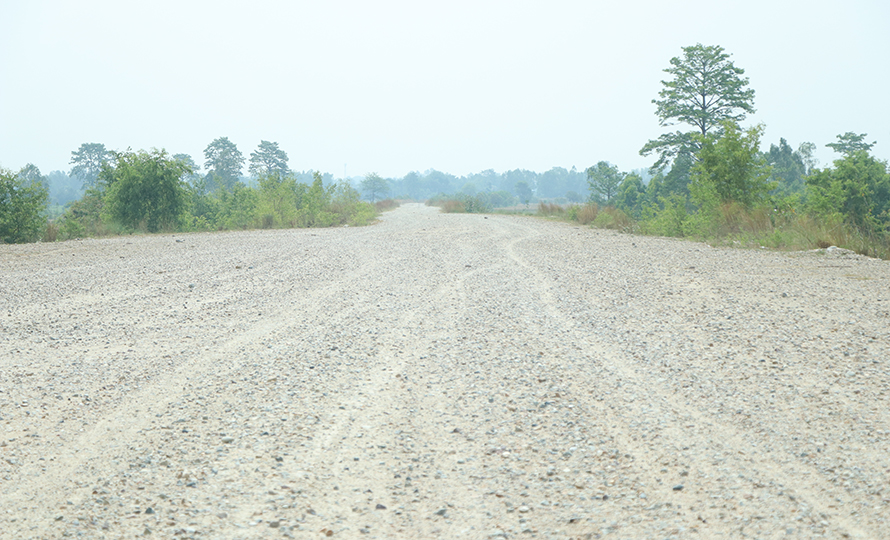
<point x="453" y="376"/>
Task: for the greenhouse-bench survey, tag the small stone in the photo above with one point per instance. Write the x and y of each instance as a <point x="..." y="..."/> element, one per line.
<point x="380" y="507"/>
<point x="222" y="515"/>
<point x="441" y="512"/>
<point x="678" y="487"/>
<point x="228" y="440"/>
<point x="523" y="509"/>
<point x="149" y="510"/>
<point x="275" y="524"/>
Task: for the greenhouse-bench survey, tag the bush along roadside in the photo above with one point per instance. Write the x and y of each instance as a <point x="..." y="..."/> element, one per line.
<point x="147" y="192"/>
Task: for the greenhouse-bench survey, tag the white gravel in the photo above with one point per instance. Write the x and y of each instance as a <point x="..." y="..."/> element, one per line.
<point x="453" y="376"/>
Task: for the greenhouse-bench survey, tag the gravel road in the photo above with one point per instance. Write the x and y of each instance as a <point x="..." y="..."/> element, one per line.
<point x="441" y="376"/>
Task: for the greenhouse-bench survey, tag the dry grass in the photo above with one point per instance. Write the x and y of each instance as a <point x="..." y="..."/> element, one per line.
<point x="386" y="204"/>
<point x="51" y="232"/>
<point x="583" y="214"/>
<point x="452" y="206"/>
<point x="550" y="209"/>
<point x="613" y="218"/>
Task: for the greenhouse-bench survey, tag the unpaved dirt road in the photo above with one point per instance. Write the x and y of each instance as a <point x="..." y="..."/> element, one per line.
<point x="441" y="376"/>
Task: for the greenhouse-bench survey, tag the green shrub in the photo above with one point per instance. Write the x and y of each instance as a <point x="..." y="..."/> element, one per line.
<point x="145" y="191"/>
<point x="584" y="214"/>
<point x="22" y="206"/>
<point x="613" y="218"/>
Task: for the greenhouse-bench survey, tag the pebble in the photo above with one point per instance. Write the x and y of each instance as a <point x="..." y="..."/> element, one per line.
<point x="547" y="364"/>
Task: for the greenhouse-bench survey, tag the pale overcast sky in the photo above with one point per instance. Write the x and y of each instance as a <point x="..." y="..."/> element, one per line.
<point x="394" y="86"/>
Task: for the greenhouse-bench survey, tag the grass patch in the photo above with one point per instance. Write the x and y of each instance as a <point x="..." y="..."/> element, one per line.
<point x="732" y="225"/>
<point x="550" y="209"/>
<point x="386" y="204"/>
<point x="459" y="204"/>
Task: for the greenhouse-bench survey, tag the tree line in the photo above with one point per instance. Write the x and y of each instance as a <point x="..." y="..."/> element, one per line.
<point x="151" y="191"/>
<point x="709" y="178"/>
<point x="712" y="180"/>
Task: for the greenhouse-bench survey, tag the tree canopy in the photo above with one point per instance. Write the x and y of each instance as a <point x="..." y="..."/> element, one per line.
<point x="88" y="161"/>
<point x="706" y="90"/>
<point x="850" y="143"/>
<point x="604" y="180"/>
<point x="22" y="202"/>
<point x="857" y="189"/>
<point x="268" y="159"/>
<point x="788" y="166"/>
<point x="145" y="190"/>
<point x="731" y="167"/>
<point x="523" y="191"/>
<point x="223" y="163"/>
<point x="374" y="186"/>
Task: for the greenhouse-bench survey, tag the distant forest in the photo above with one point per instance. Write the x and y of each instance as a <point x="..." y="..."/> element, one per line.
<point x="557" y="184"/>
<point x="709" y="180"/>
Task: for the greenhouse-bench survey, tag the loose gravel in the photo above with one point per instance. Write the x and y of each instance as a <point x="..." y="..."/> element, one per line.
<point x="453" y="376"/>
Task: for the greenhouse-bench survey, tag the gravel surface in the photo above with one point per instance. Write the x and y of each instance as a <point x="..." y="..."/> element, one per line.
<point x="453" y="376"/>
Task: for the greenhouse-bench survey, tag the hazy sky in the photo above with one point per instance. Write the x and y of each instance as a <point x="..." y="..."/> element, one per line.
<point x="393" y="86"/>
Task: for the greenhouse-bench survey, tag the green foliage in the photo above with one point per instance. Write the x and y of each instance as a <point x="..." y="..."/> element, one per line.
<point x="191" y="178"/>
<point x="613" y="218"/>
<point x="30" y="175"/>
<point x="788" y="167"/>
<point x="669" y="217"/>
<point x="203" y="206"/>
<point x="223" y="163"/>
<point x="550" y="209"/>
<point x="278" y="200"/>
<point x="460" y="203"/>
<point x="374" y="186"/>
<point x="347" y="205"/>
<point x="83" y="217"/>
<point x="706" y="90"/>
<point x="583" y="214"/>
<point x="523" y="191"/>
<point x="63" y="189"/>
<point x="474" y="204"/>
<point x="268" y="159"/>
<point x="805" y="151"/>
<point x="145" y="191"/>
<point x="603" y="180"/>
<point x="238" y="208"/>
<point x="631" y="195"/>
<point x="730" y="169"/>
<point x="857" y="190"/>
<point x="849" y="143"/>
<point x="670" y="148"/>
<point x="22" y="203"/>
<point x="497" y="199"/>
<point x="314" y="211"/>
<point x="88" y="161"/>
